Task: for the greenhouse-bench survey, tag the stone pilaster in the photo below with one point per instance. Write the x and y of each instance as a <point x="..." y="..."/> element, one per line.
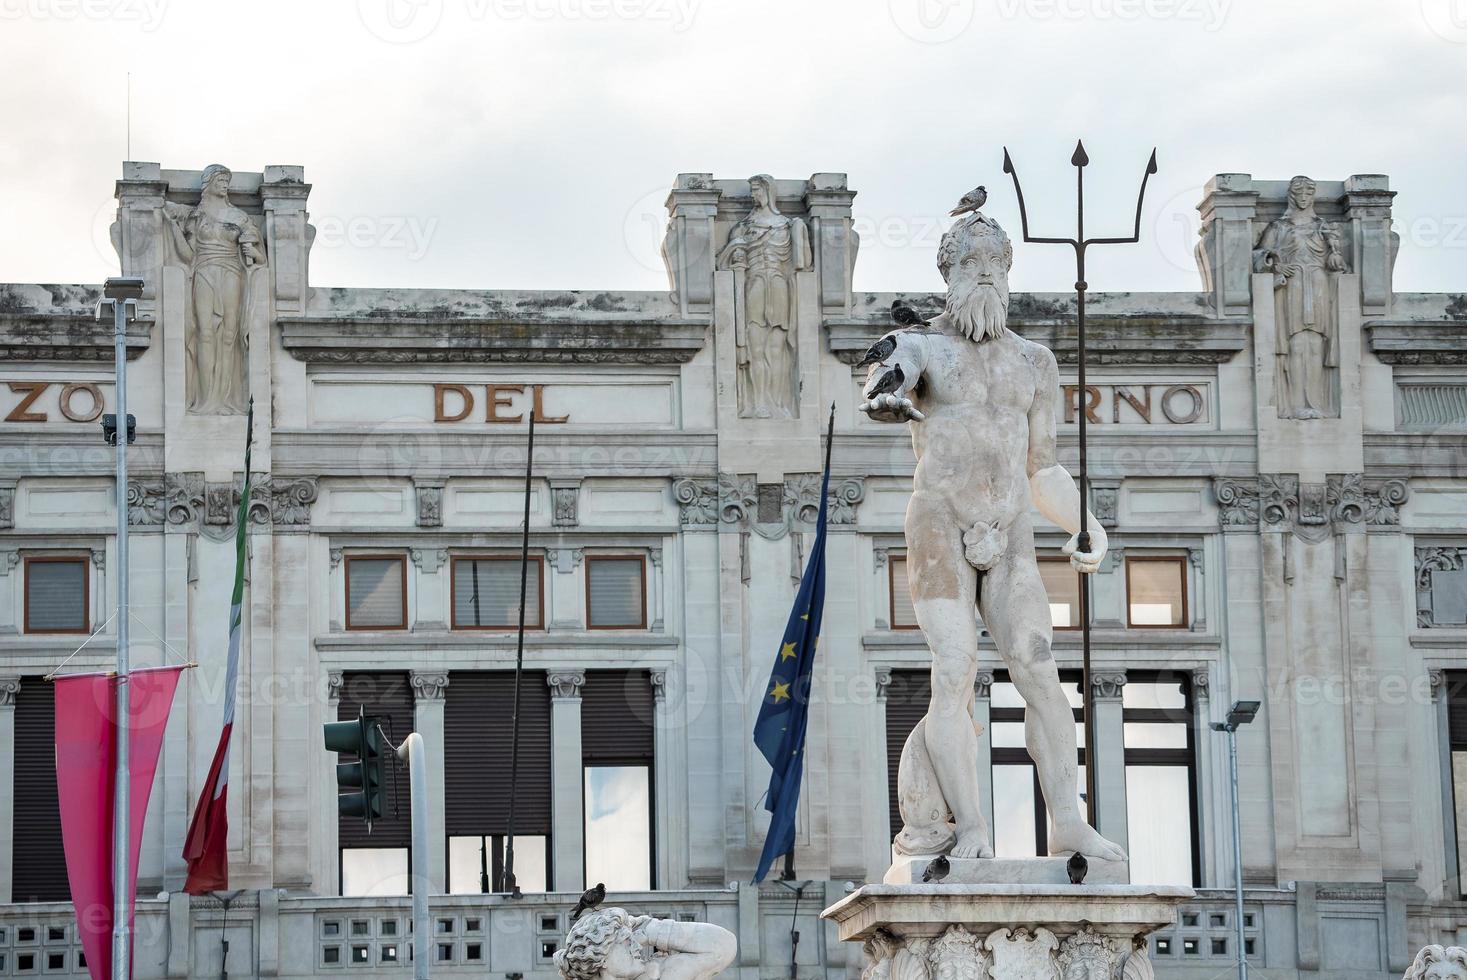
<point x="327" y="863"/>
<point x="1109" y="754"/>
<point x="1225" y="252"/>
<point x="687" y="247"/>
<point x="566" y="779"/>
<point x="982" y="719"/>
<point x="9" y="688"/>
<point x="429" y="688"/>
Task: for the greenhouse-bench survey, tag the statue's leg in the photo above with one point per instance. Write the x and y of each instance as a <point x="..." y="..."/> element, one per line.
<point x="1016" y="611"/>
<point x="944" y="589"/>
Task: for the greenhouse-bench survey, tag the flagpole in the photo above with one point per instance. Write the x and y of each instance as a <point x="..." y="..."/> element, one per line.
<point x="508" y="882"/>
<point x="120" y="291"/>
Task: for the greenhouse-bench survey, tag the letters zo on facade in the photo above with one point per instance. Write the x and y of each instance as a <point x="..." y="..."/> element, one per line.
<point x="1274" y="456"/>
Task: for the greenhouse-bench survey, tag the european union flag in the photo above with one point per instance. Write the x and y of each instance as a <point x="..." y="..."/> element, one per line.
<point x="779" y="732"/>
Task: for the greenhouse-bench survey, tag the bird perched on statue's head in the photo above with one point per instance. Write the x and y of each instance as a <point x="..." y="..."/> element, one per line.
<point x="971" y="201"/>
<point x="937" y="869"/>
<point x="590" y="898"/>
<point x="904" y="315"/>
<point x="1077" y="866"/>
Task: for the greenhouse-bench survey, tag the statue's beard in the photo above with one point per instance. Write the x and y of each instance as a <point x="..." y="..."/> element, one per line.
<point x="978" y="309"/>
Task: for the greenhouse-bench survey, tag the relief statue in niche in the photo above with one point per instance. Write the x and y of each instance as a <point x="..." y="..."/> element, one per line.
<point x="221" y="245"/>
<point x="768" y="248"/>
<point x="1304" y="254"/>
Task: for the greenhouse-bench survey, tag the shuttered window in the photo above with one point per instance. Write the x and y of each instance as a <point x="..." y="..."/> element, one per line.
<point x="486" y="593"/>
<point x="376" y="592"/>
<point x="1456" y="695"/>
<point x="616" y="590"/>
<point x="370" y="862"/>
<point x="617" y="741"/>
<point x="476" y="749"/>
<point x="56" y="594"/>
<point x="902" y="615"/>
<point x="39" y="863"/>
<point x="906" y="703"/>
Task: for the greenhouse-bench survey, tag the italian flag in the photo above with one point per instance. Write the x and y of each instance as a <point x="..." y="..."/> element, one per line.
<point x="206" y="848"/>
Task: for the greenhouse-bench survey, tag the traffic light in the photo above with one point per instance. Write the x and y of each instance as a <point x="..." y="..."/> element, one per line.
<point x="359" y="783"/>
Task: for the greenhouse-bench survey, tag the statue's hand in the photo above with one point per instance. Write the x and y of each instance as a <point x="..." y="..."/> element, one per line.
<point x="1087" y="561"/>
<point x="1334" y="262"/>
<point x="892" y="408"/>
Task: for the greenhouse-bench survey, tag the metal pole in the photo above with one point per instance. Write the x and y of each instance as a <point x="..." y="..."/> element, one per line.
<point x="1237" y="853"/>
<point x="509" y="884"/>
<point x="412" y="752"/>
<point x="122" y="803"/>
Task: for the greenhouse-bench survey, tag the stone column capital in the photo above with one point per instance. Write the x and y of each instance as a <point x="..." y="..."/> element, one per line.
<point x="566" y="684"/>
<point x="1106" y="685"/>
<point x="1201" y="679"/>
<point x="429" y="685"/>
<point x="983" y="685"/>
<point x="9" y="688"/>
<point x="334" y="681"/>
<point x="883" y="682"/>
<point x="659" y="685"/>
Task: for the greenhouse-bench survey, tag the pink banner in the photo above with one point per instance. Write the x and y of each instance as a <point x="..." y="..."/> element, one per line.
<point x="85" y="761"/>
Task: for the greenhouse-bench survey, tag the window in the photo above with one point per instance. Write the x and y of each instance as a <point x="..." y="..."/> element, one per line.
<point x="1156" y="715"/>
<point x="477" y="738"/>
<point x="616" y="592"/>
<point x="1062" y="584"/>
<point x="1020" y="818"/>
<point x="38" y="861"/>
<point x="376" y="592"/>
<point x="617" y="749"/>
<point x="1156" y="592"/>
<point x="56" y="595"/>
<point x="903" y="616"/>
<point x="374" y="871"/>
<point x="486" y="593"/>
<point x="376" y="862"/>
<point x="1441" y="585"/>
<point x="470" y="859"/>
<point x="1456" y="694"/>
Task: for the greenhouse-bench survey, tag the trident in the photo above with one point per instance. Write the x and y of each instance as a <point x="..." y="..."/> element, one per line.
<point x="1080" y="243"/>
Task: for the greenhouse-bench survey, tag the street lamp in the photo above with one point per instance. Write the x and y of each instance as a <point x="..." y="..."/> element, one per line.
<point x="1241" y="713"/>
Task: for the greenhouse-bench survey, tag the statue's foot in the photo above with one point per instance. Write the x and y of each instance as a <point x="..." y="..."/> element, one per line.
<point x="972" y="844"/>
<point x="1076" y="835"/>
<point x="1309" y="413"/>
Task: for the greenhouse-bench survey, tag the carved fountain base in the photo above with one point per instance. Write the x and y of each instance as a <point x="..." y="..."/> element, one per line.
<point x="1007" y="932"/>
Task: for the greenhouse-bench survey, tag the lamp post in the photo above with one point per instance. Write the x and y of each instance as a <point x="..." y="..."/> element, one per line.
<point x="122" y="294"/>
<point x="1241" y="713"/>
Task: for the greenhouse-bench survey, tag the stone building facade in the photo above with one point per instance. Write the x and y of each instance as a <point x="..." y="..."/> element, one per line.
<point x="1278" y="458"/>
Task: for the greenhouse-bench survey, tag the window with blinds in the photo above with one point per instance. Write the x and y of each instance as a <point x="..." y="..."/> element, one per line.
<point x="1156" y="592"/>
<point x="376" y="592"/>
<point x="902" y="615"/>
<point x="906" y="703"/>
<point x="486" y="593"/>
<point x="38" y="863"/>
<point x="56" y="594"/>
<point x="376" y="863"/>
<point x="616" y="592"/>
<point x="617" y="749"/>
<point x="477" y="733"/>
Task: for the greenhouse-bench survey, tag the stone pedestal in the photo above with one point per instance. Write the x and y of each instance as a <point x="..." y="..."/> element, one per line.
<point x="1007" y="932"/>
<point x="907" y="869"/>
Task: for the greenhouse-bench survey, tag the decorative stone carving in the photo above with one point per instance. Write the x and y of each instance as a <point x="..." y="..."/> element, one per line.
<point x="565" y="683"/>
<point x="1316" y="509"/>
<point x="334" y="681"/>
<point x="1305" y="255"/>
<point x="883" y="682"/>
<point x="1436" y="962"/>
<point x="1019" y="954"/>
<point x="7" y="507"/>
<point x="430" y="503"/>
<point x="287" y="501"/>
<point x="697" y="500"/>
<point x="802" y="494"/>
<point x="429" y="560"/>
<point x="1430" y="561"/>
<point x="429" y="685"/>
<point x="987" y="508"/>
<point x="1087" y="956"/>
<point x="565" y="560"/>
<point x="1107" y="686"/>
<point x="765" y="250"/>
<point x="335" y="555"/>
<point x="9" y="688"/>
<point x="222" y="247"/>
<point x="658" y="679"/>
<point x="1237" y="501"/>
<point x="99" y="558"/>
<point x="9" y="559"/>
<point x="1105" y="503"/>
<point x="611" y="943"/>
<point x="983" y="685"/>
<point x="219" y="504"/>
<point x="1201" y="681"/>
<point x="563" y="500"/>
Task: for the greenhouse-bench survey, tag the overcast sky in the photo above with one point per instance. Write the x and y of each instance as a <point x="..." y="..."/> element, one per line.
<point x="530" y="143"/>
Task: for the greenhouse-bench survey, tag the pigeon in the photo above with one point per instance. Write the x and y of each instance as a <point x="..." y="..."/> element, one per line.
<point x="1077" y="866"/>
<point x="906" y="316"/>
<point x="590" y="898"/>
<point x="971" y="201"/>
<point x="878" y="351"/>
<point x="937" y="869"/>
<point x="887" y="383"/>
